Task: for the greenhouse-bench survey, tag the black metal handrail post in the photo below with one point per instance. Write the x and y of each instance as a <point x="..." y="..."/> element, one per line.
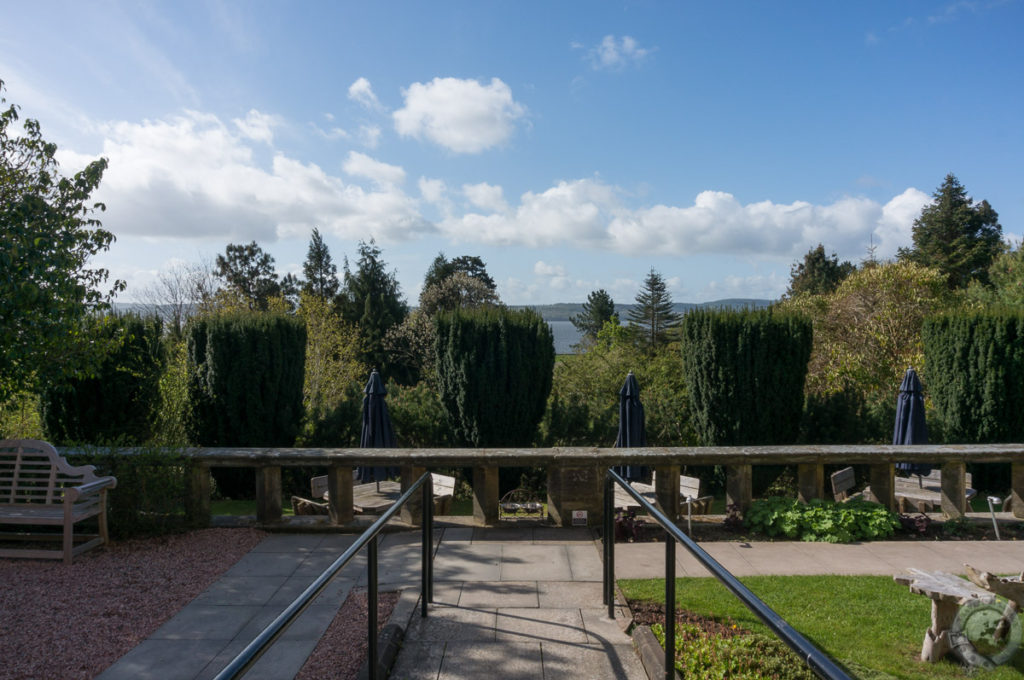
<point x="670" y="607"/>
<point x="818" y="662"/>
<point x="368" y="539"/>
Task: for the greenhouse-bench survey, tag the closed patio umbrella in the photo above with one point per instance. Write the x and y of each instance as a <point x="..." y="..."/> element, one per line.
<point x="910" y="424"/>
<point x="632" y="431"/>
<point x="377" y="432"/>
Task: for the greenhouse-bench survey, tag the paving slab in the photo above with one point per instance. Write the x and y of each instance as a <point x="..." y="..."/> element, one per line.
<point x="419" y="661"/>
<point x="505" y="660"/>
<point x="448" y="624"/>
<point x="477" y="595"/>
<point x="207" y="622"/>
<point x="553" y="594"/>
<point x="539" y="625"/>
<point x="164" y="660"/>
<point x="520" y="562"/>
<point x="617" y="662"/>
<point x="468" y="562"/>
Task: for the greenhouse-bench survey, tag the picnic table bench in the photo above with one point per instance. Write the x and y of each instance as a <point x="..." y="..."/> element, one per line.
<point x="949" y="595"/>
<point x="38" y="487"/>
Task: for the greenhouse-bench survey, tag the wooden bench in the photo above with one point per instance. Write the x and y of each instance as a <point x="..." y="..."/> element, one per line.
<point x="689" y="496"/>
<point x="38" y="487"/>
<point x="367" y="499"/>
<point x="918" y="492"/>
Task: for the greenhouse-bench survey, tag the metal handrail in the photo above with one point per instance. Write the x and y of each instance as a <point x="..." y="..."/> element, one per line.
<point x="255" y="649"/>
<point x="818" y="662"/>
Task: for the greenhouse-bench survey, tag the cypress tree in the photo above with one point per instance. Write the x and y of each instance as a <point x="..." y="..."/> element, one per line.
<point x="745" y="375"/>
<point x="494" y="369"/>
<point x="319" y="269"/>
<point x="974" y="370"/>
<point x="598" y="309"/>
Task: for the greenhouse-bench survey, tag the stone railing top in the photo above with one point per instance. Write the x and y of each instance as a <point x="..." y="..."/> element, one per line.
<point x="697" y="455"/>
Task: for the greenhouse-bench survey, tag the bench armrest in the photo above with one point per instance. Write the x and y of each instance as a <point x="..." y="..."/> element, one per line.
<point x="91" y="488"/>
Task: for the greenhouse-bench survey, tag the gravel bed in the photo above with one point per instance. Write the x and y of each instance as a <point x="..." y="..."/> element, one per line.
<point x="342" y="650"/>
<point x="72" y="622"/>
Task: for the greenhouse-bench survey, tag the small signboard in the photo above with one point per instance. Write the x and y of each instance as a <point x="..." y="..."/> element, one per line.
<point x="579" y="518"/>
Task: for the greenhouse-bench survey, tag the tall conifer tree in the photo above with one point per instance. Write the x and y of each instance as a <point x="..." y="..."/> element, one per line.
<point x="653" y="313"/>
<point x="319" y="269"/>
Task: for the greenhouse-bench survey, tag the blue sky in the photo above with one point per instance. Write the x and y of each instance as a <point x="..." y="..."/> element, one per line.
<point x="571" y="145"/>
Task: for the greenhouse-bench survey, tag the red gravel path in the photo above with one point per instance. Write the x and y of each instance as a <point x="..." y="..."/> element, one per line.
<point x="72" y="622"/>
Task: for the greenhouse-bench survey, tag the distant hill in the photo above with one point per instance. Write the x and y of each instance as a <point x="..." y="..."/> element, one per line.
<point x="562" y="311"/>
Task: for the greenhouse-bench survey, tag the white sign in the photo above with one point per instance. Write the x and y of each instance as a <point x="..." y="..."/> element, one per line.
<point x="579" y="518"/>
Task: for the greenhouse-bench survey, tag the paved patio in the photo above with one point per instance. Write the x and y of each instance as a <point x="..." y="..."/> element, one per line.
<point x="509" y="603"/>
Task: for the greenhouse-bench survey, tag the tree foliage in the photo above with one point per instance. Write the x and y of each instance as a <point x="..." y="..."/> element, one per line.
<point x="470" y="265"/>
<point x="372" y="300"/>
<point x="975" y="373"/>
<point x="955" y="235"/>
<point x="46" y="285"/>
<point x="745" y="374"/>
<point x="121" y="401"/>
<point x="457" y="291"/>
<point x="319" y="269"/>
<point x="597" y="311"/>
<point x="653" y="315"/>
<point x="249" y="275"/>
<point x="245" y="379"/>
<point x="818" y="274"/>
<point x="494" y="373"/>
<point x="1006" y="276"/>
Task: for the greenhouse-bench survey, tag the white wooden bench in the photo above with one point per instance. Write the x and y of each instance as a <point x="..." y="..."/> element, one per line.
<point x="38" y="487"/>
<point x="917" y="492"/>
<point x="689" y="495"/>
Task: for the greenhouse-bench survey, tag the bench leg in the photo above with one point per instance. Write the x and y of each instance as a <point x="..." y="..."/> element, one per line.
<point x="102" y="519"/>
<point x="936" y="641"/>
<point x="69" y="532"/>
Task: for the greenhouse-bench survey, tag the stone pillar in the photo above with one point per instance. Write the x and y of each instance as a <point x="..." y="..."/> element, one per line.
<point x="954" y="489"/>
<point x="576" y="487"/>
<point x="882" y="478"/>
<point x="810" y="481"/>
<point x="412" y="511"/>
<point x="197" y="498"/>
<point x="268" y="494"/>
<point x="666" y="490"/>
<point x="485" y="495"/>
<point x="739" y="486"/>
<point x="1017" y="489"/>
<point x="339" y="494"/>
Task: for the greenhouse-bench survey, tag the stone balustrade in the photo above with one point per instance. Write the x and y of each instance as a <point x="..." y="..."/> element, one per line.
<point x="576" y="475"/>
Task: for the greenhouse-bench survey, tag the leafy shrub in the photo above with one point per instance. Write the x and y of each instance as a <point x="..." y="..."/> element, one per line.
<point x="821" y="520"/>
<point x="149" y="498"/>
<point x="747" y="656"/>
<point x="120" y="401"/>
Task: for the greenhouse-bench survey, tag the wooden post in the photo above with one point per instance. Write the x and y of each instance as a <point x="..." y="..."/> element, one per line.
<point x="883" y="484"/>
<point x="412" y="511"/>
<point x="485" y="495"/>
<point x="811" y="481"/>
<point x="666" y="490"/>
<point x="739" y="486"/>
<point x="954" y="489"/>
<point x="576" y="487"/>
<point x="1017" y="489"/>
<point x="268" y="494"/>
<point x="339" y="494"/>
<point x="197" y="498"/>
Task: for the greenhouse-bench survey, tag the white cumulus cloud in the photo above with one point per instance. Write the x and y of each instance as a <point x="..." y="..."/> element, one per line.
<point x="485" y="196"/>
<point x="432" y="190"/>
<point x="361" y="165"/>
<point x="361" y="91"/>
<point x="257" y="126"/>
<point x="194" y="176"/>
<point x="542" y="268"/>
<point x="369" y="136"/>
<point x="463" y="116"/>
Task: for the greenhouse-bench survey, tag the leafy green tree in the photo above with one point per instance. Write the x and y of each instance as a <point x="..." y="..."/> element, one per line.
<point x="597" y="310"/>
<point x="1006" y="276"/>
<point x="249" y="274"/>
<point x="471" y="265"/>
<point x="319" y="269"/>
<point x="457" y="291"/>
<point x="46" y="285"/>
<point x="955" y="235"/>
<point x="652" y="315"/>
<point x="372" y="300"/>
<point x="818" y="274"/>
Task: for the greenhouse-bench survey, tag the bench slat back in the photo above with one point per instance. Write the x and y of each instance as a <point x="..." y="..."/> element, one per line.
<point x="33" y="472"/>
<point x="842" y="482"/>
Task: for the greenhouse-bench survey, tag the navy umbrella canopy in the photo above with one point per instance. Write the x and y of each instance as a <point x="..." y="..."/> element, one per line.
<point x="377" y="432"/>
<point x="632" y="431"/>
<point x="910" y="424"/>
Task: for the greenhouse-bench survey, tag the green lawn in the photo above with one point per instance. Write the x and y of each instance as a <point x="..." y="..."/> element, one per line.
<point x="867" y="623"/>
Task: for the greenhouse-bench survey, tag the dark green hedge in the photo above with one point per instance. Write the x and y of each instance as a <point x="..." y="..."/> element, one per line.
<point x="119" y="403"/>
<point x="745" y="375"/>
<point x="494" y="370"/>
<point x="974" y="372"/>
<point x="245" y="375"/>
